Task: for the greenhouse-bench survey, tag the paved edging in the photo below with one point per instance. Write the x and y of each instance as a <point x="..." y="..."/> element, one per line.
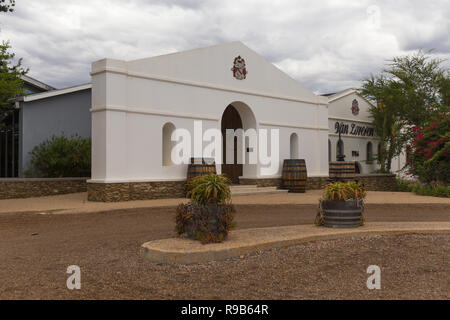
<point x="241" y="242"/>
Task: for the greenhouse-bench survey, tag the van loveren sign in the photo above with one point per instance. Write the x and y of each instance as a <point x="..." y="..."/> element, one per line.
<point x="353" y="129"/>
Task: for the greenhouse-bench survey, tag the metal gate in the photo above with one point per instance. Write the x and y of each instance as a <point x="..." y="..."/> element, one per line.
<point x="9" y="145"/>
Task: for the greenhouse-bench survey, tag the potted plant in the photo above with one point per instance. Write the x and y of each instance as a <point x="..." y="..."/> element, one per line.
<point x="209" y="216"/>
<point x="342" y="205"/>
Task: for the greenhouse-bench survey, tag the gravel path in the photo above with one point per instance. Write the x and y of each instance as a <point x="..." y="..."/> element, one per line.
<point x="106" y="247"/>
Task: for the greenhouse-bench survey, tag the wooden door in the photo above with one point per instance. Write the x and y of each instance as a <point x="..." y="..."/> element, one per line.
<point x="231" y="120"/>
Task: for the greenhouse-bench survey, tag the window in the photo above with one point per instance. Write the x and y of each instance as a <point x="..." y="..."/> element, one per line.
<point x="369" y="153"/>
<point x="167" y="144"/>
<point x="378" y="154"/>
<point x="294" y="146"/>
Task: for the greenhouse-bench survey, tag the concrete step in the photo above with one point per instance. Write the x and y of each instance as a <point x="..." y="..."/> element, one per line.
<point x="247" y="190"/>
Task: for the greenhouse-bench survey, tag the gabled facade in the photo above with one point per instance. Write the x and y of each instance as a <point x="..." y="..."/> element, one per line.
<point x="134" y="102"/>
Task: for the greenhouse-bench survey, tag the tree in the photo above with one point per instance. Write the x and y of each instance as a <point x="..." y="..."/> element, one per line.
<point x="384" y="117"/>
<point x="408" y="93"/>
<point x="420" y="80"/>
<point x="7" y="6"/>
<point x="11" y="84"/>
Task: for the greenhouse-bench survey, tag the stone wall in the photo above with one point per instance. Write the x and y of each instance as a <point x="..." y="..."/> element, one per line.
<point x="378" y="182"/>
<point x="114" y="192"/>
<point x="27" y="188"/>
<point x="373" y="182"/>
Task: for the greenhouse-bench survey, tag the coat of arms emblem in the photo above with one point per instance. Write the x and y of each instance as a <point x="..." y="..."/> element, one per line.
<point x="355" y="107"/>
<point x="239" y="70"/>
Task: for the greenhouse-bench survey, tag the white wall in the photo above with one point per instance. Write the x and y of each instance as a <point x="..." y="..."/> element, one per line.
<point x="133" y="100"/>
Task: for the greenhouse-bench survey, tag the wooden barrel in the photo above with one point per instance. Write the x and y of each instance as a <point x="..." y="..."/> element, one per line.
<point x="201" y="167"/>
<point x="341" y="214"/>
<point x="293" y="176"/>
<point x="342" y="170"/>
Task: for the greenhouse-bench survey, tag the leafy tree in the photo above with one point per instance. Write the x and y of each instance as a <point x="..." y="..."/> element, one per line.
<point x="409" y="92"/>
<point x="384" y="118"/>
<point x="7" y="6"/>
<point x="11" y="84"/>
<point x="422" y="83"/>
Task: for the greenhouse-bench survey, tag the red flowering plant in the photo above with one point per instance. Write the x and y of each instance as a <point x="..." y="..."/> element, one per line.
<point x="428" y="154"/>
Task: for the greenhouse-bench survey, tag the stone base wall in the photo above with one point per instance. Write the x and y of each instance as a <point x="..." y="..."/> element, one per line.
<point x="373" y="182"/>
<point x="378" y="182"/>
<point x="27" y="188"/>
<point x="114" y="192"/>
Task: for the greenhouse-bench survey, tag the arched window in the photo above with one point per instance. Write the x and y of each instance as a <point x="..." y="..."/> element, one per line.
<point x="329" y="150"/>
<point x="378" y="154"/>
<point x="369" y="152"/>
<point x="340" y="148"/>
<point x="294" y="146"/>
<point x="167" y="144"/>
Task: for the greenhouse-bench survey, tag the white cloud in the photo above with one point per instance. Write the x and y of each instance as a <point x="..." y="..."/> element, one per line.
<point x="325" y="45"/>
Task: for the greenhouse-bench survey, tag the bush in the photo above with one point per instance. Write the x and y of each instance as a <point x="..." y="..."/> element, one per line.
<point x="404" y="185"/>
<point x="209" y="216"/>
<point x="344" y="191"/>
<point x="61" y="157"/>
<point x="431" y="189"/>
<point x="211" y="188"/>
<point x="428" y="155"/>
<point x="210" y="223"/>
<point x="435" y="190"/>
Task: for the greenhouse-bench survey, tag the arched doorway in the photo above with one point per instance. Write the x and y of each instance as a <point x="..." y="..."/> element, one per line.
<point x="231" y="120"/>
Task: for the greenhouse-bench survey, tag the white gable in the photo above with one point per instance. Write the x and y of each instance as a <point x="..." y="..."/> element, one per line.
<point x="340" y="106"/>
<point x="212" y="66"/>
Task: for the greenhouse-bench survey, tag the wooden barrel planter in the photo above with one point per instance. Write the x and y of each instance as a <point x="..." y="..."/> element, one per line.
<point x="342" y="214"/>
<point x="342" y="171"/>
<point x="294" y="175"/>
<point x="200" y="167"/>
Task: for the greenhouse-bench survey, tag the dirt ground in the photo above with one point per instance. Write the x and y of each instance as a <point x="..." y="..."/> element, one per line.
<point x="36" y="249"/>
<point x="77" y="202"/>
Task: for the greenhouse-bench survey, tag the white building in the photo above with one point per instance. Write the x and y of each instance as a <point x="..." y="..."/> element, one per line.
<point x="137" y="105"/>
<point x="348" y="112"/>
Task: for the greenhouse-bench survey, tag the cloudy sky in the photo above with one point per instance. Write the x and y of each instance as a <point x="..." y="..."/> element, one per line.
<point x="325" y="45"/>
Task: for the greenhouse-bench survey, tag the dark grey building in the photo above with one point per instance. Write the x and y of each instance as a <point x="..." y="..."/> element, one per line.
<point x="38" y="115"/>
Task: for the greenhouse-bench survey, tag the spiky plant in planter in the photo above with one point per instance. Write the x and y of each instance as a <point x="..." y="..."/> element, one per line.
<point x="342" y="205"/>
<point x="209" y="215"/>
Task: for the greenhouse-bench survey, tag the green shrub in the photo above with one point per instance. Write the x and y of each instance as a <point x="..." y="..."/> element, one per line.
<point x="209" y="216"/>
<point x="61" y="157"/>
<point x="404" y="185"/>
<point x="432" y="190"/>
<point x="208" y="189"/>
<point x="428" y="154"/>
<point x="344" y="191"/>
